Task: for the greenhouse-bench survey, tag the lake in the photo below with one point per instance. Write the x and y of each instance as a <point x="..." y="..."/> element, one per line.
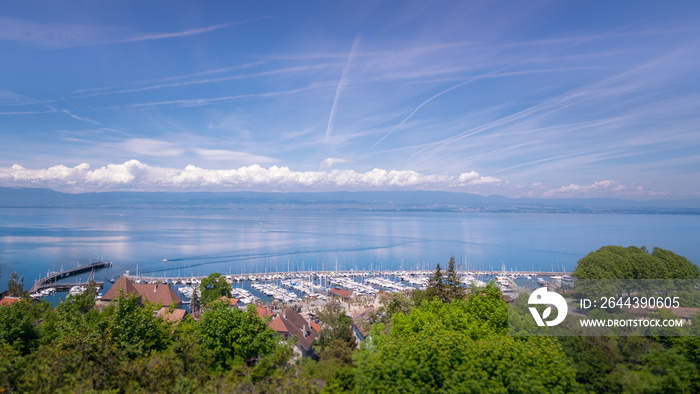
<point x="198" y="242"/>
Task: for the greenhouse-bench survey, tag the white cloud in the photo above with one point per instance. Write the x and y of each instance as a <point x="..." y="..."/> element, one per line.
<point x="134" y="175"/>
<point x="605" y="188"/>
<point x="331" y="161"/>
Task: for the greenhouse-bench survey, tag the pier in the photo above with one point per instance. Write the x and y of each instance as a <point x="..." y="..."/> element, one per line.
<point x="52" y="278"/>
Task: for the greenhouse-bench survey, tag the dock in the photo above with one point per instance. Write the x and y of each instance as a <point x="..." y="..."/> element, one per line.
<point x="52" y="278"/>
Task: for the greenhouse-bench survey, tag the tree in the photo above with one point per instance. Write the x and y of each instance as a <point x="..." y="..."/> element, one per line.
<point x="15" y="286"/>
<point x="85" y="301"/>
<point x="336" y="333"/>
<point x="235" y="337"/>
<point x="436" y="285"/>
<point x="214" y="287"/>
<point x="392" y="304"/>
<point x="453" y="285"/>
<point x="195" y="305"/>
<point x="443" y="347"/>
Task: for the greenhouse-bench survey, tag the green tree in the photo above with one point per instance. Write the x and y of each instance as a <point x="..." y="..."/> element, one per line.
<point x="214" y="287"/>
<point x="336" y="338"/>
<point x="436" y="285"/>
<point x="444" y="347"/>
<point x="452" y="282"/>
<point x="235" y="337"/>
<point x="18" y="327"/>
<point x="393" y="303"/>
<point x="15" y="286"/>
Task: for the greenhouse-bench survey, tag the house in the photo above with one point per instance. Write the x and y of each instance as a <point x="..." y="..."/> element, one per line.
<point x="360" y="323"/>
<point x="264" y="313"/>
<point x="231" y="301"/>
<point x="341" y="293"/>
<point x="154" y="293"/>
<point x="174" y="316"/>
<point x="9" y="300"/>
<point x="290" y="323"/>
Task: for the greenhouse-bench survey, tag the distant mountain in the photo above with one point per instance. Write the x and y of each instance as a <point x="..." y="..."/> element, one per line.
<point x="380" y="200"/>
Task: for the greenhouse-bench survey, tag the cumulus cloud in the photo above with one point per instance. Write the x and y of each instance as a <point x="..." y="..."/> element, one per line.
<point x="134" y="175"/>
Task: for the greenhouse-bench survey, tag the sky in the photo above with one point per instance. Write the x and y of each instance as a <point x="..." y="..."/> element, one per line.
<point x="546" y="99"/>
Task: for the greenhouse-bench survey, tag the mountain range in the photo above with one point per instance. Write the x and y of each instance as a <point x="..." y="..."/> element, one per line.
<point x="368" y="200"/>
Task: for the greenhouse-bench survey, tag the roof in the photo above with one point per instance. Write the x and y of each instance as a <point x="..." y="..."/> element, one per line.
<point x="123" y="284"/>
<point x="9" y="300"/>
<point x="263" y="312"/>
<point x="290" y="321"/>
<point x="360" y="319"/>
<point x="175" y="316"/>
<point x="278" y="325"/>
<point x="341" y="292"/>
<point x="232" y="301"/>
<point x="154" y="293"/>
<point x="315" y="326"/>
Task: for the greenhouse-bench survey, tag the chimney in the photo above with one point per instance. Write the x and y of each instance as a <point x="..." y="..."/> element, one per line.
<point x="284" y="314"/>
<point x="155" y="288"/>
<point x="304" y="331"/>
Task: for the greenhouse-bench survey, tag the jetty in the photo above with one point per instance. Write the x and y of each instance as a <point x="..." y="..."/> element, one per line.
<point x="51" y="279"/>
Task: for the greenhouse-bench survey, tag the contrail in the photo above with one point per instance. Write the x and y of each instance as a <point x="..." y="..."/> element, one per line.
<point x="341" y="85"/>
<point x="420" y="106"/>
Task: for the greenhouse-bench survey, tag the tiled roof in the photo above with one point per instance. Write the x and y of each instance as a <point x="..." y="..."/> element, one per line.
<point x="360" y="320"/>
<point x="232" y="301"/>
<point x="278" y="325"/>
<point x="263" y="312"/>
<point x="121" y="285"/>
<point x="341" y="292"/>
<point x="9" y="300"/>
<point x="176" y="316"/>
<point x="292" y="322"/>
<point x="155" y="293"/>
<point x="159" y="293"/>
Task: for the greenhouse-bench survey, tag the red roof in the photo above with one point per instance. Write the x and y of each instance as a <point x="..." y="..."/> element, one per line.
<point x="341" y="292"/>
<point x="232" y="301"/>
<point x="176" y="316"/>
<point x="315" y="326"/>
<point x="289" y="321"/>
<point x="9" y="300"/>
<point x="263" y="312"/>
<point x="155" y="293"/>
<point x="278" y="325"/>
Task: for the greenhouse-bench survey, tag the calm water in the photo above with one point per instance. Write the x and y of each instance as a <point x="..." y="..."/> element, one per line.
<point x="198" y="242"/>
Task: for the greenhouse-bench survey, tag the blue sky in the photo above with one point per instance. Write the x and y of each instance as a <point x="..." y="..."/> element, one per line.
<point x="541" y="99"/>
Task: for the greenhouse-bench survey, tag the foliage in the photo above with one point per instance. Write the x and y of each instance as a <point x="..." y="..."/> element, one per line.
<point x="234" y="336"/>
<point x="444" y="347"/>
<point x="17" y="325"/>
<point x="393" y="303"/>
<point x="214" y="287"/>
<point x="423" y="344"/>
<point x="15" y="286"/>
<point x="617" y="262"/>
<point x="436" y="286"/>
<point x="336" y="339"/>
<point x="452" y="283"/>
